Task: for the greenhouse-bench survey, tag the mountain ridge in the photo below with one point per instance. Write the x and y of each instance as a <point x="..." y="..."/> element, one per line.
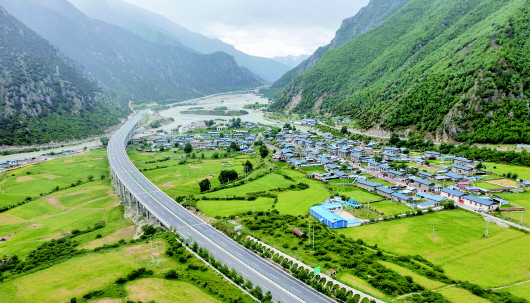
<point x="156" y="28"/>
<point x="132" y="67"/>
<point x="437" y="69"/>
<point x="45" y="96"/>
<point x="368" y="17"/>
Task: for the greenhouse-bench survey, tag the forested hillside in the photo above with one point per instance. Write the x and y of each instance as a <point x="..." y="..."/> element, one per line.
<point x="132" y="67"/>
<point x="157" y="28"/>
<point x="444" y="69"/>
<point x="370" y="16"/>
<point x="45" y="96"/>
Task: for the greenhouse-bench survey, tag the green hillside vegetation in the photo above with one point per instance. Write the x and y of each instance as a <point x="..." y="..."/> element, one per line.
<point x="44" y="95"/>
<point x="443" y="69"/>
<point x="375" y="13"/>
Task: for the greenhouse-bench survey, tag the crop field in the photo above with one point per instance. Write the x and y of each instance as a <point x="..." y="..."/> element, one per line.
<point x="30" y="181"/>
<point x="457" y="245"/>
<point x="361" y="284"/>
<point x="518" y="217"/>
<point x="486" y="185"/>
<point x="423" y="281"/>
<point x="390" y="208"/>
<point x="183" y="179"/>
<point x="505" y="182"/>
<point x="521" y="290"/>
<point x="27" y="226"/>
<point x="457" y="295"/>
<point x="521" y="199"/>
<point x="265" y="183"/>
<point x="95" y="271"/>
<point x="225" y="208"/>
<point x="298" y="202"/>
<point x="313" y="169"/>
<point x="166" y="291"/>
<point x="358" y="194"/>
<point x="521" y="171"/>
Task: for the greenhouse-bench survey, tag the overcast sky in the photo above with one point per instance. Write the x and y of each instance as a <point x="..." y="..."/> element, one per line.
<point x="265" y="28"/>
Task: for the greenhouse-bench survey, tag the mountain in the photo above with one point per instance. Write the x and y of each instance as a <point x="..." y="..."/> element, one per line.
<point x="292" y="61"/>
<point x="445" y="70"/>
<point x="368" y="17"/>
<point x="157" y="28"/>
<point x="45" y="96"/>
<point x="129" y="65"/>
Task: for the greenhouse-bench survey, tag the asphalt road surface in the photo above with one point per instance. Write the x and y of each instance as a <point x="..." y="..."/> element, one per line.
<point x="283" y="286"/>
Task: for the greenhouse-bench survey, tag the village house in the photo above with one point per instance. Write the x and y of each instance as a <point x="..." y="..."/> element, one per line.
<point x="432" y="155"/>
<point x="425" y="175"/>
<point x="384" y="191"/>
<point x="463" y="170"/>
<point x="371" y="186"/>
<point x="401" y="198"/>
<point x="480" y="204"/>
<point x="423" y="185"/>
<point x="463" y="162"/>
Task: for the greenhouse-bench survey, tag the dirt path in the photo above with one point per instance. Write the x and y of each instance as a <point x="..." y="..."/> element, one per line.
<point x="417" y="293"/>
<point x="501" y="287"/>
<point x="53" y="201"/>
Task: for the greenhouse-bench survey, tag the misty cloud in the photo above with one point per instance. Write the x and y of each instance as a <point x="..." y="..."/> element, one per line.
<point x="264" y="28"/>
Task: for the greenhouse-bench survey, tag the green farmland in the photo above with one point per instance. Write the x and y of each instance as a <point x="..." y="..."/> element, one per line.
<point x="522" y="172"/>
<point x="390" y="208"/>
<point x="225" y="208"/>
<point x="31" y="181"/>
<point x="457" y="245"/>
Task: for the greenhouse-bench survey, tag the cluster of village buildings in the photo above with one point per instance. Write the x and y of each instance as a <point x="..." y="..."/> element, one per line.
<point x="14" y="163"/>
<point x="341" y="158"/>
<point x="212" y="140"/>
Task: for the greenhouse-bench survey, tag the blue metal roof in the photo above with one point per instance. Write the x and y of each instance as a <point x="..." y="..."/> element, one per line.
<point x="384" y="189"/>
<point x="422" y="181"/>
<point x="323" y="210"/>
<point x="454" y="176"/>
<point x="461" y="167"/>
<point x="453" y="192"/>
<point x="431" y="197"/>
<point x="368" y="183"/>
<point x="401" y="196"/>
<point x="479" y="200"/>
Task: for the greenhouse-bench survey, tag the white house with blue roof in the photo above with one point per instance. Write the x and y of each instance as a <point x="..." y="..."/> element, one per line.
<point x="480" y="204"/>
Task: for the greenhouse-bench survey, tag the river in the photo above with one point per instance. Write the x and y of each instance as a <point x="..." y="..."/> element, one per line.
<point x="234" y="101"/>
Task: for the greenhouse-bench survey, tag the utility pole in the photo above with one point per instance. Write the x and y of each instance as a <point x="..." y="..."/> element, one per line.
<point x="309" y="232"/>
<point x="486" y="234"/>
<point x="313" y="238"/>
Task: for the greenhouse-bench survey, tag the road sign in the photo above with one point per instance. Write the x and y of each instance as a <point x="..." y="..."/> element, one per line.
<point x="316" y="270"/>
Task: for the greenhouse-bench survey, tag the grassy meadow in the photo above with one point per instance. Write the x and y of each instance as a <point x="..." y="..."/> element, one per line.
<point x="390" y="208"/>
<point x="80" y="207"/>
<point x="224" y="208"/>
<point x="522" y="172"/>
<point x="51" y="217"/>
<point x="458" y="245"/>
<point x="31" y="181"/>
<point x="98" y="271"/>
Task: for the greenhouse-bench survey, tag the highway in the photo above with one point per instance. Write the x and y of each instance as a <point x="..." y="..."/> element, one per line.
<point x="283" y="286"/>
